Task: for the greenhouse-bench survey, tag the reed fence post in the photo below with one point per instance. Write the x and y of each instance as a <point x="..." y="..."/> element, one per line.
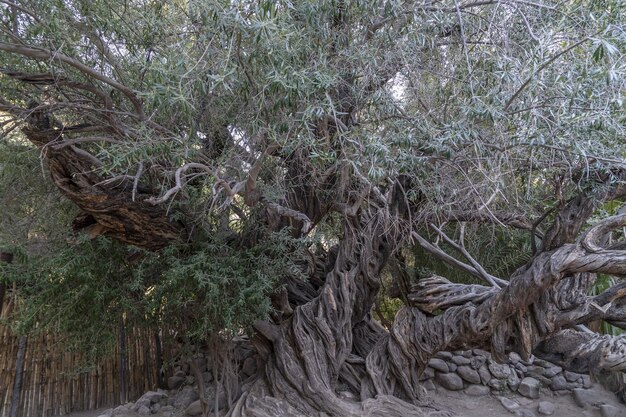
<point x="123" y="362"/>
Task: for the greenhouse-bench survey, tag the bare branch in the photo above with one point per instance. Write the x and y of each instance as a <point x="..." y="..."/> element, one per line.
<point x="136" y="181"/>
<point x="541" y="68"/>
<point x="296" y="215"/>
<point x="179" y="183"/>
<point x="450" y="260"/>
<point x="461" y="248"/>
<point x="45" y="54"/>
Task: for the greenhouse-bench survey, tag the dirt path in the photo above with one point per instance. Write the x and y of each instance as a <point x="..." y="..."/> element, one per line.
<point x="491" y="405"/>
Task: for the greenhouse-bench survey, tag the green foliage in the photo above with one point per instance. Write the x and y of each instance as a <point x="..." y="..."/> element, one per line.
<point x="216" y="287"/>
<point x="86" y="288"/>
<point x="32" y="209"/>
<point x="603" y="283"/>
<point x="500" y="251"/>
<point x="479" y="108"/>
<point x="81" y="290"/>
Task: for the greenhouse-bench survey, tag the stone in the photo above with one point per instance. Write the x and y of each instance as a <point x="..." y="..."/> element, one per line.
<point x="609" y="411"/>
<point x="496" y="384"/>
<point x="558" y="383"/>
<point x="452" y="367"/>
<point x="140" y="403"/>
<point x="194" y="409"/>
<point x="477" y="361"/>
<point x="576" y="384"/>
<point x="529" y="387"/>
<point x="582" y="398"/>
<point x="107" y="413"/>
<point x="544" y="381"/>
<point x="513" y="381"/>
<point x="525" y="401"/>
<point x="535" y="371"/>
<point x="124" y="408"/>
<point x="514" y="358"/>
<point x="249" y="366"/>
<point x="546" y="408"/>
<point x="464" y="353"/>
<point x="480" y="352"/>
<point x="185" y="397"/>
<point x="444" y="355"/>
<point x="571" y="376"/>
<point x="154" y="408"/>
<point x="587" y="381"/>
<point x="155" y="396"/>
<point x="508" y="404"/>
<point x="449" y="381"/>
<point x="552" y="372"/>
<point x="461" y="360"/>
<point x="477" y="390"/>
<point x="544" y="363"/>
<point x="147" y="399"/>
<point x="429" y="385"/>
<point x="144" y="411"/>
<point x="499" y="370"/>
<point x="469" y="374"/>
<point x="175" y="382"/>
<point x="429" y="373"/>
<point x="521" y="367"/>
<point x="439" y="365"/>
<point x="485" y="375"/>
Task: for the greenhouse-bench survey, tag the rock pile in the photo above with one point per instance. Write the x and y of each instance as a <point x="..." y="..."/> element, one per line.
<point x="182" y="398"/>
<point x="475" y="372"/>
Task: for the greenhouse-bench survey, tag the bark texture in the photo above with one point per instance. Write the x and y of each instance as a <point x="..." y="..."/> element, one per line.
<point x="316" y="348"/>
<point x="110" y="208"/>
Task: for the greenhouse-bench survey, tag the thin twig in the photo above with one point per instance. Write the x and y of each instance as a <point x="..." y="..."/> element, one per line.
<point x="461" y="248"/>
<point x="45" y="54"/>
<point x="136" y="181"/>
<point x="450" y="260"/>
<point x="541" y="68"/>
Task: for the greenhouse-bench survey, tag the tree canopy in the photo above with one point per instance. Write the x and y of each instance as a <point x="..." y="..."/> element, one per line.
<point x="224" y="165"/>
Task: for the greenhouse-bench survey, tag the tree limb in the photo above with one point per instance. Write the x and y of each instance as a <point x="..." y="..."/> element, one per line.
<point x="45" y="54"/>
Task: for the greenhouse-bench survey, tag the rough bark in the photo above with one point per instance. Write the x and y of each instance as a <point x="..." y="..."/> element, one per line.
<point x="109" y="208"/>
<point x="584" y="352"/>
<point x="312" y="350"/>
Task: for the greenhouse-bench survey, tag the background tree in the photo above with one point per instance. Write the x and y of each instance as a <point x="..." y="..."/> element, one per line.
<point x="240" y="149"/>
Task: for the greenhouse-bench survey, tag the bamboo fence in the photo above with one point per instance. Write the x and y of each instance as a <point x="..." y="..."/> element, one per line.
<point x="53" y="383"/>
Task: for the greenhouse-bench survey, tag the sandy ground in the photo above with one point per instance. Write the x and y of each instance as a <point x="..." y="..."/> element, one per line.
<point x="490" y="406"/>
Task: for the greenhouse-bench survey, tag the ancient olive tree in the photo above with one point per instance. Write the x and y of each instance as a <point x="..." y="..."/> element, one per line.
<point x="339" y="135"/>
